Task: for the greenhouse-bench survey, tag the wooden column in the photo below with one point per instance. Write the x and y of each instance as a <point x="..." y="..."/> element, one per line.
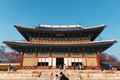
<point x="84" y="56"/>
<point x="86" y="60"/>
<point x="21" y="59"/>
<point x="98" y="60"/>
<point x="50" y="56"/>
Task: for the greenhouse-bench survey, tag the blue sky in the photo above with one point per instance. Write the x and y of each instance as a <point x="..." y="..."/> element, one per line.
<point x="84" y="12"/>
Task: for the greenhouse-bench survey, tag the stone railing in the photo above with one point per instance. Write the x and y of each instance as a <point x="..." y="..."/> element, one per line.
<point x="49" y="74"/>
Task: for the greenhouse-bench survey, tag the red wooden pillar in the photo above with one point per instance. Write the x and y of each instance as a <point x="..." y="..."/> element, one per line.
<point x="98" y="60"/>
<point x="21" y="59"/>
<point x="84" y="57"/>
<point x="35" y="57"/>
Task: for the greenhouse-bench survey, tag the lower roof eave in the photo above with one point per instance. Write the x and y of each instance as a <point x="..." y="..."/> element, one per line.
<point x="97" y="46"/>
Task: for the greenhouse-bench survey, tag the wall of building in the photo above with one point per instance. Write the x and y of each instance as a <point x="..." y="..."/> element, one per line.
<point x="90" y="62"/>
<point x="30" y="61"/>
<point x="60" y="41"/>
<point x="91" y="59"/>
<point x="86" y="60"/>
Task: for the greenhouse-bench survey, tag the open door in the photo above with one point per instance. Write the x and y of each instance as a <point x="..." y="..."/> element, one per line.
<point x="60" y="63"/>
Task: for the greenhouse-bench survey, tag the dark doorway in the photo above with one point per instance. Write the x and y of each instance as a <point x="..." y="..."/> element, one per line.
<point x="60" y="63"/>
<point x="77" y="65"/>
<point x="42" y="64"/>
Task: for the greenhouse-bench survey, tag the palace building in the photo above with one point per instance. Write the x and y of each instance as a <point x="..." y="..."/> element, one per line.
<point x="54" y="46"/>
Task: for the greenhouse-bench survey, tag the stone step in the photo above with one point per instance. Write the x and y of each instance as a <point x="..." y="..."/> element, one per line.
<point x="50" y="74"/>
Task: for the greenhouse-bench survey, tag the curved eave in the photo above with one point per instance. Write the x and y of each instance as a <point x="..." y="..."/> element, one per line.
<point x="97" y="46"/>
<point x="93" y="32"/>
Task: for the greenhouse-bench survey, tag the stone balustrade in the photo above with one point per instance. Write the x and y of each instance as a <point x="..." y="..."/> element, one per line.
<point x="49" y="74"/>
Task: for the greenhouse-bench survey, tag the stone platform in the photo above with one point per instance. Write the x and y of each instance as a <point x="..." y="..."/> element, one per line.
<point x="49" y="74"/>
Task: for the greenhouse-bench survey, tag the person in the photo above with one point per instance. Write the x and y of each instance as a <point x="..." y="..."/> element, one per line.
<point x="110" y="66"/>
<point x="63" y="77"/>
<point x="64" y="67"/>
<point x="56" y="77"/>
<point x="14" y="68"/>
<point x="80" y="66"/>
<point x="60" y="67"/>
<point x="10" y="68"/>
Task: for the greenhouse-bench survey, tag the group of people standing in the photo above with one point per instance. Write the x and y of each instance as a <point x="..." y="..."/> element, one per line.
<point x="61" y="76"/>
<point x="11" y="68"/>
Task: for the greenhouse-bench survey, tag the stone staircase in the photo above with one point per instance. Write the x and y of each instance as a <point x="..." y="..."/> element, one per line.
<point x="49" y="74"/>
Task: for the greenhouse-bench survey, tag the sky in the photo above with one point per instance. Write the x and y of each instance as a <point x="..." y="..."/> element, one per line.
<point x="30" y="13"/>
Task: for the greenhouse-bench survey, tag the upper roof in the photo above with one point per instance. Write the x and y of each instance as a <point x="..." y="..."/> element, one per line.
<point x="61" y="28"/>
<point x="91" y="32"/>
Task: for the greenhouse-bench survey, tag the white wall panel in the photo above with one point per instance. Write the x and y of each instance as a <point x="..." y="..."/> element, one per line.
<point x="39" y="60"/>
<point x="47" y="60"/>
<point x="80" y="59"/>
<point x="50" y="61"/>
<point x="65" y="61"/>
<point x="54" y="62"/>
<point x="76" y="59"/>
<point x="43" y="59"/>
<point x="70" y="61"/>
